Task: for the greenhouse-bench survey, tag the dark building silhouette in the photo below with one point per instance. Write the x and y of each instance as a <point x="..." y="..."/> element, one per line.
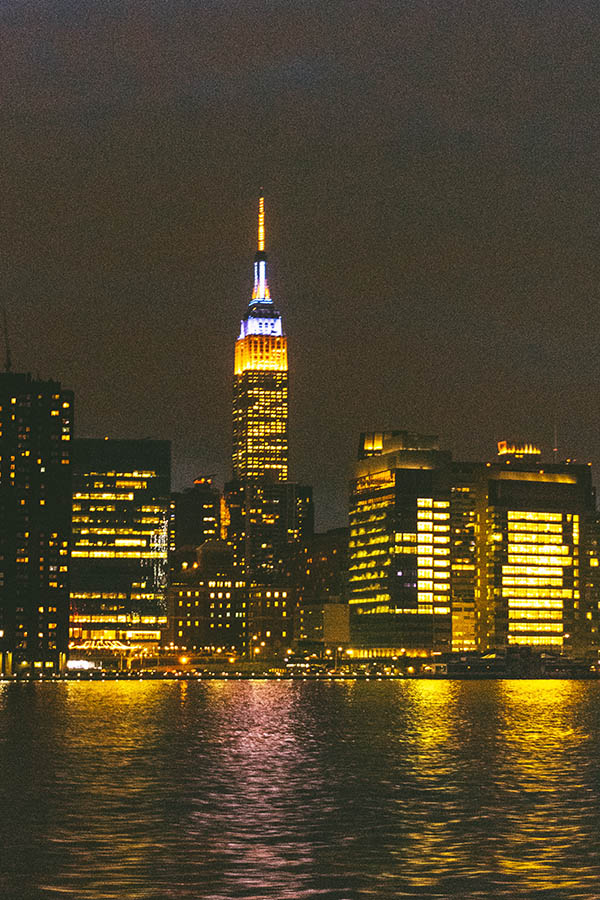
<point x="195" y="518"/>
<point x="207" y="607"/>
<point x="36" y="426"/>
<point x="269" y="523"/>
<point x="324" y="570"/>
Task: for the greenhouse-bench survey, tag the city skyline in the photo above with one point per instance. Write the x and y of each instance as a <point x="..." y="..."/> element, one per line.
<point x="299" y="531"/>
<point x="184" y="473"/>
<point x="440" y="246"/>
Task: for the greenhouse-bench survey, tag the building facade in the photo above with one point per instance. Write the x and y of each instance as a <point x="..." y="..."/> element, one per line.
<point x="36" y="427"/>
<point x="195" y="518"/>
<point x="471" y="556"/>
<point x="537" y="555"/>
<point x="399" y="547"/>
<point x="270" y="625"/>
<point x="269" y="524"/>
<point x="207" y="606"/>
<point x="323" y="577"/>
<point x="119" y="556"/>
<point x="322" y="625"/>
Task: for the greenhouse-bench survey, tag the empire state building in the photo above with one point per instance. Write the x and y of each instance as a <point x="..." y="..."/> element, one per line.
<point x="260" y="393"/>
<point x="268" y="517"/>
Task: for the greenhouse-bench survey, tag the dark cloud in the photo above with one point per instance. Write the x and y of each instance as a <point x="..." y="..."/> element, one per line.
<point x="431" y="172"/>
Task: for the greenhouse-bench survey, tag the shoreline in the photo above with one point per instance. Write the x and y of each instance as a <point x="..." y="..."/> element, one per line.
<point x="479" y="676"/>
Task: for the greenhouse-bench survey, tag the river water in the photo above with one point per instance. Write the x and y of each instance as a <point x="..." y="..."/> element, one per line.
<point x="277" y="790"/>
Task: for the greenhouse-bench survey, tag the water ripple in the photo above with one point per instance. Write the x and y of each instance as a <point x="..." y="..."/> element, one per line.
<point x="270" y="791"/>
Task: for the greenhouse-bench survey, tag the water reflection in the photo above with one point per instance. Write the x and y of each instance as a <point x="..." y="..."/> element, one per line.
<point x="291" y="790"/>
<point x="550" y="778"/>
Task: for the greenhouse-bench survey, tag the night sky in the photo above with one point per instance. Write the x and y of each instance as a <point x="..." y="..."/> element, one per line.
<point x="431" y="172"/>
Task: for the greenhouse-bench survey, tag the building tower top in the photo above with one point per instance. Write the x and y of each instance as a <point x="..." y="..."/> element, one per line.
<point x="261" y="223"/>
<point x="261" y="293"/>
<point x="260" y="405"/>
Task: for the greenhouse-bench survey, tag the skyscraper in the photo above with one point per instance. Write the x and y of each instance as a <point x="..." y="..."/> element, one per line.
<point x="260" y="394"/>
<point x="267" y="516"/>
<point x="399" y="548"/>
<point x="538" y="558"/>
<point x="505" y="552"/>
<point x="36" y="422"/>
<point x="119" y="541"/>
<point x="195" y="518"/>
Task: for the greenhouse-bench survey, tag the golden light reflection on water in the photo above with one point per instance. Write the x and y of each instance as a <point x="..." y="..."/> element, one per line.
<point x="546" y="755"/>
<point x="285" y="791"/>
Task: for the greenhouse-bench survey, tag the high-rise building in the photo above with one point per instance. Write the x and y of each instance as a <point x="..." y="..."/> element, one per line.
<point x="323" y="575"/>
<point x="195" y="518"/>
<point x="266" y="516"/>
<point x="399" y="547"/>
<point x="260" y="396"/>
<point x="537" y="554"/>
<point x="119" y="557"/>
<point x="463" y="555"/>
<point x="269" y="524"/>
<point x="36" y="425"/>
<point x="507" y="552"/>
<point x="207" y="607"/>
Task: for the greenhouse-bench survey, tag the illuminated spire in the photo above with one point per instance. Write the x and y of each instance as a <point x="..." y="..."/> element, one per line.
<point x="261" y="224"/>
<point x="261" y="291"/>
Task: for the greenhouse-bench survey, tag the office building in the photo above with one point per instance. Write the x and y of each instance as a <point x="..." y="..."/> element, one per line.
<point x="323" y="575"/>
<point x="463" y="556"/>
<point x="119" y="557"/>
<point x="322" y="626"/>
<point x="195" y="518"/>
<point x="537" y="554"/>
<point x="269" y="524"/>
<point x="472" y="556"/>
<point x="270" y="623"/>
<point x="207" y="606"/>
<point x="36" y="427"/>
<point x="399" y="547"/>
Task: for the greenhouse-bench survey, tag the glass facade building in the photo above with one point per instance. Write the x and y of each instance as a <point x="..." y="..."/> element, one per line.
<point x="472" y="556"/>
<point x="119" y="556"/>
<point x="537" y="555"/>
<point x="399" y="546"/>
